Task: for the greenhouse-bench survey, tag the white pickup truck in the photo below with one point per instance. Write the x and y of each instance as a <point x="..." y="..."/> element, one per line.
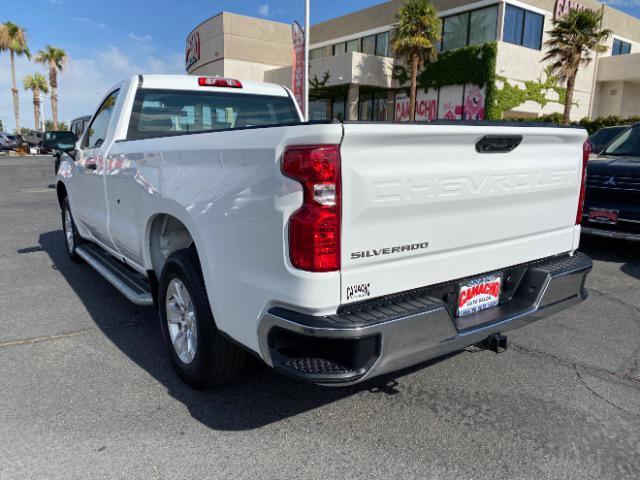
<point x="335" y="252"/>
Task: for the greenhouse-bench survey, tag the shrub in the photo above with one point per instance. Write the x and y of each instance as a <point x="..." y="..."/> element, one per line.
<point x="591" y="125"/>
<point x="602" y="122"/>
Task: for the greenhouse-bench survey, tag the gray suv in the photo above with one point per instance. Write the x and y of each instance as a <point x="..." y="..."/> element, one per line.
<point x="8" y="142"/>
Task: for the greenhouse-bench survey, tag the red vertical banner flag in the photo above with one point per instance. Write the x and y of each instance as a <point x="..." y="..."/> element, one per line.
<point x="299" y="75"/>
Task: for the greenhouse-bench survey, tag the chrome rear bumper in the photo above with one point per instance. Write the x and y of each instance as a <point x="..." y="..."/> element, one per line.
<point x="398" y="331"/>
<point x="611" y="234"/>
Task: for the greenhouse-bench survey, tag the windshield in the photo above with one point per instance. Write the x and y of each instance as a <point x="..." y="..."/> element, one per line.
<point x="601" y="138"/>
<point x="60" y="137"/>
<point x="627" y="144"/>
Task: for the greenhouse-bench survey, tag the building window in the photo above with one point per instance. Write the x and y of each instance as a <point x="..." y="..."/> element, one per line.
<point x="620" y="47"/>
<point x="482" y="25"/>
<point x="353" y="45"/>
<point x="454" y="31"/>
<point x="340" y="49"/>
<point x="523" y="27"/>
<point x="318" y="53"/>
<point x="469" y="28"/>
<point x="369" y="45"/>
<point x="382" y="44"/>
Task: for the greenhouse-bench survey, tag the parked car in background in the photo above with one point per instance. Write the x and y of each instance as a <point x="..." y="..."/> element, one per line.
<point x="8" y="142"/>
<point x="612" y="206"/>
<point x="603" y="137"/>
<point x="34" y="138"/>
<point x="79" y="124"/>
<point x="57" y="140"/>
<point x="335" y="252"/>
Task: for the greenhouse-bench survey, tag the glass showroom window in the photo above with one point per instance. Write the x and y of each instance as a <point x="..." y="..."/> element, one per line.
<point x="470" y="28"/>
<point x="380" y="106"/>
<point x="339" y="108"/>
<point x="373" y="106"/>
<point x="366" y="107"/>
<point x="523" y="27"/>
<point x="620" y="47"/>
<point x="319" y="109"/>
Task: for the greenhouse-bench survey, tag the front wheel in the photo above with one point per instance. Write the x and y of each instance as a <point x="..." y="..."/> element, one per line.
<point x="200" y="355"/>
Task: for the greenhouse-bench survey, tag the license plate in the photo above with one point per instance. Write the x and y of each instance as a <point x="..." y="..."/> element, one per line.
<point x="479" y="294"/>
<point x="601" y="215"/>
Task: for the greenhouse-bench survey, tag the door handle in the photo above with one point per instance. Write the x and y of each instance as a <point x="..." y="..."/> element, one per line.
<point x="91" y="166"/>
<point x="498" y="143"/>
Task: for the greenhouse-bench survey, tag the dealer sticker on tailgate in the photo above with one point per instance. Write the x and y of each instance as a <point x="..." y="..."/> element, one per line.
<point x="479" y="294"/>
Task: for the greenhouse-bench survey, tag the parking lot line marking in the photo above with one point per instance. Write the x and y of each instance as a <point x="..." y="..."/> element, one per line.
<point x="62" y="336"/>
<point x="29" y="341"/>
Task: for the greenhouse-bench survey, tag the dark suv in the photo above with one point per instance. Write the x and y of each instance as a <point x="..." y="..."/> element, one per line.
<point x="57" y="140"/>
<point x="612" y="205"/>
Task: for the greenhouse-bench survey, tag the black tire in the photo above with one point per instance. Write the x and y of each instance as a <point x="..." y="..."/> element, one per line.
<point x="77" y="240"/>
<point x="216" y="361"/>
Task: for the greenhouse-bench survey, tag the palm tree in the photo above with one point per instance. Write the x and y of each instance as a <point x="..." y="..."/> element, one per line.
<point x="56" y="59"/>
<point x="14" y="39"/>
<point x="573" y="37"/>
<point x="416" y="38"/>
<point x="36" y="83"/>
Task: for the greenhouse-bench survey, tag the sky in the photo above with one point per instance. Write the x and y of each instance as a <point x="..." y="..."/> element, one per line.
<point x="108" y="40"/>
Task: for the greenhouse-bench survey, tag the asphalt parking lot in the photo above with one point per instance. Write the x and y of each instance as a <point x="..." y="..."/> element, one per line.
<point x="87" y="391"/>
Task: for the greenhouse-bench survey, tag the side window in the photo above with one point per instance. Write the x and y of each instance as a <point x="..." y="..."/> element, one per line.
<point x="523" y="27"/>
<point x="97" y="133"/>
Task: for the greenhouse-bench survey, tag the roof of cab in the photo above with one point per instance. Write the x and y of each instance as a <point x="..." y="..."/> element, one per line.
<point x="190" y="82"/>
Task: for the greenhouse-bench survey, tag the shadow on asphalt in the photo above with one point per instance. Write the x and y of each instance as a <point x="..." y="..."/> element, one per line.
<point x="613" y="250"/>
<point x="259" y="398"/>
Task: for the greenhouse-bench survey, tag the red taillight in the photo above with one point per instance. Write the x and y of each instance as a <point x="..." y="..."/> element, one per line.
<point x="586" y="151"/>
<point x="219" y="82"/>
<point x="314" y="230"/>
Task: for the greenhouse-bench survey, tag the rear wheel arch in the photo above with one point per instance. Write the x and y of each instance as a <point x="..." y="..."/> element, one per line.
<point x="165" y="235"/>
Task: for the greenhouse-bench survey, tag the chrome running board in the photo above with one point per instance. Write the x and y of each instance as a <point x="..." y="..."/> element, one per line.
<point x="131" y="284"/>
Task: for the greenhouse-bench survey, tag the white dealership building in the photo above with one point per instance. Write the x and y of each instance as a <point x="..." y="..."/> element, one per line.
<point x="353" y="63"/>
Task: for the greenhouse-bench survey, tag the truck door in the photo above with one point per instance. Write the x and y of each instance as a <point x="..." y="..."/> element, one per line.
<point x="88" y="200"/>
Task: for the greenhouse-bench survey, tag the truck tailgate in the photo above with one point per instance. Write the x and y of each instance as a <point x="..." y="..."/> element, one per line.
<point x="421" y="206"/>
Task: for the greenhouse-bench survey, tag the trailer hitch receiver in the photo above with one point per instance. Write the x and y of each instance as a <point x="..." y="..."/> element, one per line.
<point x="497" y="343"/>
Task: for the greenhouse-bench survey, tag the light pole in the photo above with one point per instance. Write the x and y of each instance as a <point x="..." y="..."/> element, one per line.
<point x="41" y="119"/>
<point x="307" y="34"/>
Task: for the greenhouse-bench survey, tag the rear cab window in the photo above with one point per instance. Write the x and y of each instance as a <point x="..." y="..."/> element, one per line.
<point x="158" y="113"/>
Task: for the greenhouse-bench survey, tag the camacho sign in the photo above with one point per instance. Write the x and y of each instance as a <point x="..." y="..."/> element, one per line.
<point x="563" y="7"/>
<point x="192" y="50"/>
